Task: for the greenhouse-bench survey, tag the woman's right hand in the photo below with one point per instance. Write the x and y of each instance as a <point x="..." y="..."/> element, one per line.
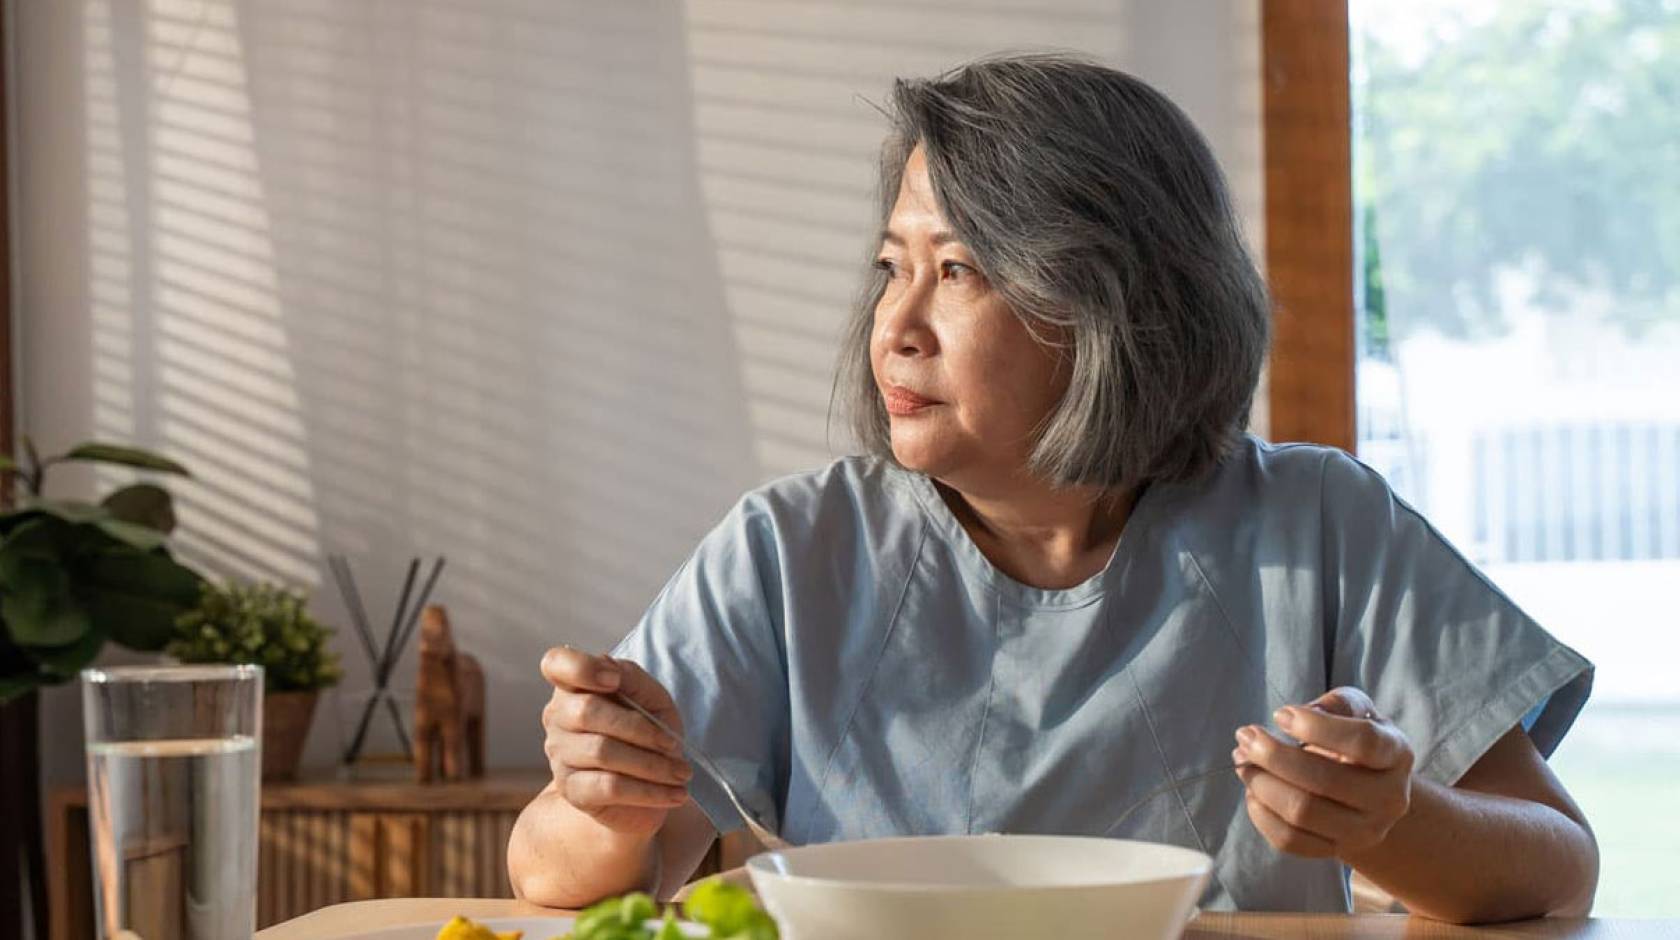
<point x="607" y="760"/>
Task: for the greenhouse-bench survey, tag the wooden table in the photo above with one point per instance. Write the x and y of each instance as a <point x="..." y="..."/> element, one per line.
<point x="356" y="917"/>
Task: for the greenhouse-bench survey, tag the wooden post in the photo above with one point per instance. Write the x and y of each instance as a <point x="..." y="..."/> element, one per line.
<point x="1309" y="220"/>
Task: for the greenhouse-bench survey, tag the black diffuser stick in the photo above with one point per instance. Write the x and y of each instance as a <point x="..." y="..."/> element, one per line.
<point x="389" y="657"/>
<point x="334" y="563"/>
<point x="414" y="615"/>
<point x="385" y="662"/>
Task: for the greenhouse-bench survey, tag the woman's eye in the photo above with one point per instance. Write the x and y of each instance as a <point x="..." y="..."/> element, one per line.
<point x="956" y="269"/>
<point x="887" y="265"/>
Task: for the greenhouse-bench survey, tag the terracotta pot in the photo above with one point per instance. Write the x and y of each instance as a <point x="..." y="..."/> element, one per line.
<point x="286" y="720"/>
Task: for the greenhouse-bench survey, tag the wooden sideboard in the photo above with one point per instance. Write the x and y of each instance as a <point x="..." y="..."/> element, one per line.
<point x="327" y="841"/>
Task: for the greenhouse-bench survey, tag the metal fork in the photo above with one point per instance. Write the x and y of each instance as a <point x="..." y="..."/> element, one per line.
<point x="760" y="831"/>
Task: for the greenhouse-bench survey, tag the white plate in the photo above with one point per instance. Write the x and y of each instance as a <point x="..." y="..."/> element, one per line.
<point x="536" y="928"/>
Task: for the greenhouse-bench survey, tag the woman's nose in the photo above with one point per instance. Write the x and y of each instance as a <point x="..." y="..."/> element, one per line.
<point x="903" y="319"/>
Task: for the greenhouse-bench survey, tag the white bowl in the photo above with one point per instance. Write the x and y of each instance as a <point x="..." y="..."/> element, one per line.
<point x="968" y="887"/>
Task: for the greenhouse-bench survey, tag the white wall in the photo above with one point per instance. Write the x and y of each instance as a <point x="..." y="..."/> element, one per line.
<point x="539" y="286"/>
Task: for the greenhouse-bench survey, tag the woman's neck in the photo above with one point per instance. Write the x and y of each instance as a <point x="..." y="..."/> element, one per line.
<point x="1044" y="537"/>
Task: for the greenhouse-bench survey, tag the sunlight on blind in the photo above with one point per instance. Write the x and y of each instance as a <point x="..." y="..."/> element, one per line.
<point x="182" y="267"/>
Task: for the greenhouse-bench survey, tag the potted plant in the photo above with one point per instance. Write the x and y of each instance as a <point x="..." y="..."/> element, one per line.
<point x="264" y="624"/>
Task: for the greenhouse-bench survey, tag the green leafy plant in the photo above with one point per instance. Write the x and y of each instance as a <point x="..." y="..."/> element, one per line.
<point x="258" y="623"/>
<point x="75" y="574"/>
<point x="729" y="912"/>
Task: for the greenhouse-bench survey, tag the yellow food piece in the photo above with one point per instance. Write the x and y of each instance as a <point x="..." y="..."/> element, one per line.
<point x="463" y="929"/>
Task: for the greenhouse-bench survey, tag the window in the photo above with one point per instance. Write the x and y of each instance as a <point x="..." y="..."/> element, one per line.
<point x="1516" y="184"/>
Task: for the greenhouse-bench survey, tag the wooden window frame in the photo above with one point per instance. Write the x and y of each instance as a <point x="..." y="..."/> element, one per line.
<point x="20" y="792"/>
<point x="8" y="402"/>
<point x="1309" y="220"/>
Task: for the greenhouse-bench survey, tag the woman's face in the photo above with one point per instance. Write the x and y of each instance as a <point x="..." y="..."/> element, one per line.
<point x="964" y="383"/>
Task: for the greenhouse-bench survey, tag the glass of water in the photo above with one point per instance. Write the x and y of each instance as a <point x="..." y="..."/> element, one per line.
<point x="173" y="777"/>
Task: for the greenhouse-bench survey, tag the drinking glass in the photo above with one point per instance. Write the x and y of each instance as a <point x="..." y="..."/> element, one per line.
<point x="173" y="760"/>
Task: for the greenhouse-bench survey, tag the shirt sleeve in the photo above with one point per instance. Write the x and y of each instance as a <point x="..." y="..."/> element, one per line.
<point x="712" y="638"/>
<point x="1441" y="651"/>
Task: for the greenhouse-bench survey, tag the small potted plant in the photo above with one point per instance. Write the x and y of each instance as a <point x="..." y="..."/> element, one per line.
<point x="264" y="624"/>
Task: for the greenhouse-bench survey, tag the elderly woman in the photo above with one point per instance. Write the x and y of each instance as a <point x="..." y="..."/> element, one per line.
<point x="1063" y="573"/>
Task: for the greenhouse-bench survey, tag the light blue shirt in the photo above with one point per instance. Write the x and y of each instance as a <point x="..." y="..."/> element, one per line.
<point x="859" y="668"/>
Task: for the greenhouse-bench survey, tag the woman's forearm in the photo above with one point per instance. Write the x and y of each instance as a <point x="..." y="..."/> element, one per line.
<point x="559" y="856"/>
<point x="1471" y="857"/>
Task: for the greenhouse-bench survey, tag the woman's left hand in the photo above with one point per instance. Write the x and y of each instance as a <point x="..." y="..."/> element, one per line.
<point x="1338" y="794"/>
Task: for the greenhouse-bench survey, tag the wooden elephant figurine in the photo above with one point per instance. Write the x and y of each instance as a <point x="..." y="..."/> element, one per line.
<point x="448" y="704"/>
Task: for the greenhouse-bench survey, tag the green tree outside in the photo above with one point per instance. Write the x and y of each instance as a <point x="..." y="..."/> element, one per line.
<point x="1542" y="138"/>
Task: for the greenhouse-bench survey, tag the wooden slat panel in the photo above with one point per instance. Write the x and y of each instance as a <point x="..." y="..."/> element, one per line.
<point x="336" y="868"/>
<point x="1309" y="220"/>
<point x="489" y="848"/>
<point x="285" y="866"/>
<point x="449" y="860"/>
<point x="479" y="832"/>
<point x="503" y="888"/>
<point x="396" y="855"/>
<point x="285" y="874"/>
<point x="404" y="854"/>
<point x="422" y="831"/>
<point x="364" y="856"/>
<point x="288" y="850"/>
<point x="303" y="864"/>
<point x="321" y="891"/>
<point x="267" y="912"/>
<point x="467" y="853"/>
<point x="339" y="874"/>
<point x="320" y="859"/>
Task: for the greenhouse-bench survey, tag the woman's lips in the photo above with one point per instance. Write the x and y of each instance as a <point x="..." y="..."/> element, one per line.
<point x="902" y="401"/>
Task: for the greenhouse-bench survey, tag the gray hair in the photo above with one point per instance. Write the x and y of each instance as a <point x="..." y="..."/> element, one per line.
<point x="1095" y="208"/>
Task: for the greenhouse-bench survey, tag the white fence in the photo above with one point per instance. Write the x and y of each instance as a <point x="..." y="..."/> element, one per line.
<point x="1605" y="491"/>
